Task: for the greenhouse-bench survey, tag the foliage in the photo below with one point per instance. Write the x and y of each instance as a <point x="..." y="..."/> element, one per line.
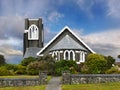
<point x="95" y="64"/>
<point x="5" y="72"/>
<point x="50" y="63"/>
<point x="113" y="70"/>
<point x="64" y="65"/>
<point x="110" y="61"/>
<point x="45" y="63"/>
<point x="2" y="60"/>
<point x="34" y="67"/>
<point x="12" y="67"/>
<point x="119" y="56"/>
<point x="28" y="60"/>
<point x="20" y="70"/>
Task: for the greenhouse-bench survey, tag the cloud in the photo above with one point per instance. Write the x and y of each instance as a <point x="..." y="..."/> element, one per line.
<point x="22" y="7"/>
<point x="10" y="47"/>
<point x="114" y="8"/>
<point x="7" y="50"/>
<point x="86" y="6"/>
<point x="49" y="33"/>
<point x="106" y="42"/>
<point x="11" y="26"/>
<point x="55" y="16"/>
<point x="110" y="37"/>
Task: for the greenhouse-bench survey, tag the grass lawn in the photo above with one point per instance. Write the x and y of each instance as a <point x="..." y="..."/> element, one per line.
<point x="20" y="76"/>
<point x="41" y="87"/>
<point x="103" y="86"/>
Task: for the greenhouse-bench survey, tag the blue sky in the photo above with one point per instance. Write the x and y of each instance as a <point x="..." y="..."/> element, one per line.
<point x="96" y="22"/>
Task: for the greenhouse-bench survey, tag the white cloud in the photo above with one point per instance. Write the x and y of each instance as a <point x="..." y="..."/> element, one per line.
<point x="86" y="6"/>
<point x="10" y="41"/>
<point x="6" y="50"/>
<point x="55" y="16"/>
<point x="114" y="8"/>
<point x="8" y="46"/>
<point x="11" y="26"/>
<point x="107" y="43"/>
<point x="110" y="37"/>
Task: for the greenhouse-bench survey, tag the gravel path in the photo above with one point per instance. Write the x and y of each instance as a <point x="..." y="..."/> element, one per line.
<point x="54" y="84"/>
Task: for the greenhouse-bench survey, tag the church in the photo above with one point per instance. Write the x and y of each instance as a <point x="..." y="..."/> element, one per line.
<point x="65" y="45"/>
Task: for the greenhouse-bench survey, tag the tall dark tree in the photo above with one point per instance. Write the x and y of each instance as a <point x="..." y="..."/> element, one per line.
<point x="2" y="60"/>
<point x="110" y="61"/>
<point x="119" y="56"/>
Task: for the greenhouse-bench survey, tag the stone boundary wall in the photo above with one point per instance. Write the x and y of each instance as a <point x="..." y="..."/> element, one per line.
<point x="68" y="78"/>
<point x="5" y="82"/>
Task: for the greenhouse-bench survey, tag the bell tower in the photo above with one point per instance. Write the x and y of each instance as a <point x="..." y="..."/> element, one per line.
<point x="33" y="36"/>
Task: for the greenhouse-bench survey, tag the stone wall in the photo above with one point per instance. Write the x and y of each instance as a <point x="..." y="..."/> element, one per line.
<point x="68" y="78"/>
<point x="4" y="82"/>
<point x="19" y="82"/>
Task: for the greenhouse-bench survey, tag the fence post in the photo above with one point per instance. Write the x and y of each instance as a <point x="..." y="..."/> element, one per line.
<point x="66" y="77"/>
<point x="43" y="77"/>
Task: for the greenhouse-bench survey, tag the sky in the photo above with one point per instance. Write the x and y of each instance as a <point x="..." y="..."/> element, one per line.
<point x="96" y="22"/>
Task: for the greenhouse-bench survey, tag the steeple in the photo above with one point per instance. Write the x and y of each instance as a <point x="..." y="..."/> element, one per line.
<point x="33" y="34"/>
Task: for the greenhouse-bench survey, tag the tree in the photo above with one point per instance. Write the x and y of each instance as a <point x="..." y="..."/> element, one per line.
<point x="64" y="65"/>
<point x="110" y="61"/>
<point x="119" y="56"/>
<point x="34" y="67"/>
<point x="95" y="63"/>
<point x="45" y="63"/>
<point x="2" y="60"/>
<point x="28" y="60"/>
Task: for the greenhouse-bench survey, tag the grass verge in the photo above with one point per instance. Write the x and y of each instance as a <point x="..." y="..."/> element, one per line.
<point x="103" y="86"/>
<point x="41" y="87"/>
<point x="20" y="76"/>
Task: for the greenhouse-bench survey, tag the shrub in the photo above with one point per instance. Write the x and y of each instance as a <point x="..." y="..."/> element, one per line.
<point x="21" y="70"/>
<point x="34" y="67"/>
<point x="110" y="62"/>
<point x="12" y="67"/>
<point x="113" y="70"/>
<point x="64" y="65"/>
<point x="28" y="60"/>
<point x="95" y="64"/>
<point x="5" y="72"/>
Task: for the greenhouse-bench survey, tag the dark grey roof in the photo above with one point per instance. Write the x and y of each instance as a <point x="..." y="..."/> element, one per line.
<point x="67" y="43"/>
<point x="31" y="51"/>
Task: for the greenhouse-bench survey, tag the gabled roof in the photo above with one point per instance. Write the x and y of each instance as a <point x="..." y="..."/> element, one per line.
<point x="65" y="28"/>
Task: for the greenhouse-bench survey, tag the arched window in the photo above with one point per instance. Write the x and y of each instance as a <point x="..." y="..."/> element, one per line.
<point x="66" y="55"/>
<point x="55" y="55"/>
<point x="71" y="55"/>
<point x="33" y="32"/>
